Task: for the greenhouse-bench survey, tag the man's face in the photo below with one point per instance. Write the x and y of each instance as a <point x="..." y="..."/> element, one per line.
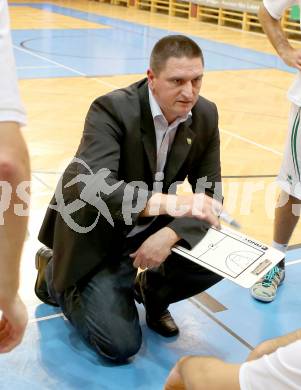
<point x="176" y="88"/>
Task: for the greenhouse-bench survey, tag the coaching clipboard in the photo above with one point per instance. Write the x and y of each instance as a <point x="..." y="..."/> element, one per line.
<point x="232" y="255"/>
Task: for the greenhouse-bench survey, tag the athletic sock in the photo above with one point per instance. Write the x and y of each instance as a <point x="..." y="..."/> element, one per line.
<point x="282" y="248"/>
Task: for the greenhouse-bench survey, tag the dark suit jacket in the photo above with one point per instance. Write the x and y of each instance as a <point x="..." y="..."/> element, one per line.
<point x="119" y="136"/>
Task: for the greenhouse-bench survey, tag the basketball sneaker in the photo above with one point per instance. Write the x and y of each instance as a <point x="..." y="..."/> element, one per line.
<point x="266" y="288"/>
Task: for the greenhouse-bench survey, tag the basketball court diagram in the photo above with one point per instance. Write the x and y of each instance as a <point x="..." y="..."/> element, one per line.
<point x="225" y="253"/>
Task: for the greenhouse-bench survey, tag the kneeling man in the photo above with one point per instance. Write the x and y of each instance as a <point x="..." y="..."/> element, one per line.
<point x="116" y="209"/>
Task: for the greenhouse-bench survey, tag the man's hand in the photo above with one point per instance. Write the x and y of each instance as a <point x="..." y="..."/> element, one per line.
<point x="13" y="323"/>
<point x="155" y="249"/>
<point x="292" y="57"/>
<point x="199" y="206"/>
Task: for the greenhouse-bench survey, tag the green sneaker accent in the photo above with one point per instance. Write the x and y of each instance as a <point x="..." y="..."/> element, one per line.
<point x="266" y="288"/>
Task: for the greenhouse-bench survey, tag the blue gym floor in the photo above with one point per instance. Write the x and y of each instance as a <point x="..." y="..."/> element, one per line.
<point x="52" y="355"/>
<point x="89" y="52"/>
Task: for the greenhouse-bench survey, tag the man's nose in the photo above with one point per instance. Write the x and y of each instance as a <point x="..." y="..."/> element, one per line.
<point x="187" y="89"/>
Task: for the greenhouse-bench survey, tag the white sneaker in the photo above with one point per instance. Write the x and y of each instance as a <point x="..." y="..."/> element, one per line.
<point x="266" y="288"/>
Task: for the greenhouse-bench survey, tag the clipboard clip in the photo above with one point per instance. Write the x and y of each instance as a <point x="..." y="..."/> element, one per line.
<point x="261" y="267"/>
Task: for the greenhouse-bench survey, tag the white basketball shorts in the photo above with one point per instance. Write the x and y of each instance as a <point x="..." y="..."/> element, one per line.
<point x="289" y="178"/>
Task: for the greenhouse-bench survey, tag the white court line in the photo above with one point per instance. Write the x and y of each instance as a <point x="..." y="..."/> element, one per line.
<point x="249" y="141"/>
<point x="65" y="67"/>
<point x="110" y="85"/>
<point x="38" y="67"/>
<point x="292" y="262"/>
<point x="34" y="320"/>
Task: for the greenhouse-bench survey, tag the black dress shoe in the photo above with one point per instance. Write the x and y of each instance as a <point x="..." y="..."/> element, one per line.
<point x="161" y="322"/>
<point x="43" y="256"/>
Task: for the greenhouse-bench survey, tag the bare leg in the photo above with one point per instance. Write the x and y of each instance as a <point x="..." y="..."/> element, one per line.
<point x="287" y="213"/>
<point x="286" y="217"/>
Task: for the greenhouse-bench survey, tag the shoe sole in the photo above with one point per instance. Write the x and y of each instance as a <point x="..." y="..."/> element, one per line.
<point x="262" y="299"/>
<point x="171" y="334"/>
<point x="37" y="260"/>
<point x="267" y="299"/>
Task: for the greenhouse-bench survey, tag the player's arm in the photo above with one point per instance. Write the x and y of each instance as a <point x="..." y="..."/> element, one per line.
<point x="278" y="39"/>
<point x="272" y="345"/>
<point x="14" y="169"/>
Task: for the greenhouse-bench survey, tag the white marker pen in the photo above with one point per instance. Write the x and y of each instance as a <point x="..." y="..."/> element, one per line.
<point x="225" y="217"/>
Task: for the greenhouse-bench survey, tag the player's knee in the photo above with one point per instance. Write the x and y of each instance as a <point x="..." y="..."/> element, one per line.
<point x="8" y="168"/>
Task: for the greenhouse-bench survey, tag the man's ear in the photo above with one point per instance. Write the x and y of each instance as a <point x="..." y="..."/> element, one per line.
<point x="150" y="78"/>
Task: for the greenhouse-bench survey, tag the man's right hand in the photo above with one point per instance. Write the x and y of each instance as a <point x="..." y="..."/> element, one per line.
<point x="199" y="206"/>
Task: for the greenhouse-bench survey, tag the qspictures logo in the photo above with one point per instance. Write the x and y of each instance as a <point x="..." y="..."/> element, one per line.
<point x="113" y="199"/>
<point x="96" y="190"/>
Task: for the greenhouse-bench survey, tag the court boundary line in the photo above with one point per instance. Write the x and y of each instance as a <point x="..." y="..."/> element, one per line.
<point x="38" y="67"/>
<point x="35" y="176"/>
<point x="221" y="324"/>
<point x="50" y="317"/>
<point x="249" y="141"/>
<point x="72" y="70"/>
<point x="292" y="262"/>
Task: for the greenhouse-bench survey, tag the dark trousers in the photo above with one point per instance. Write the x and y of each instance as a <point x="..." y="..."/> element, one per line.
<point x="102" y="307"/>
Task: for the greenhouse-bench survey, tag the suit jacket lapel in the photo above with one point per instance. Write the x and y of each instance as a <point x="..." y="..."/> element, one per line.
<point x="147" y="129"/>
<point x="179" y="151"/>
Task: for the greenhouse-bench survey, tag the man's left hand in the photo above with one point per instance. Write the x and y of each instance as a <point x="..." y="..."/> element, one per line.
<point x="155" y="249"/>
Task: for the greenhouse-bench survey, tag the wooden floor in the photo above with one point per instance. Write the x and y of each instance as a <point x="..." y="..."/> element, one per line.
<point x="252" y="105"/>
